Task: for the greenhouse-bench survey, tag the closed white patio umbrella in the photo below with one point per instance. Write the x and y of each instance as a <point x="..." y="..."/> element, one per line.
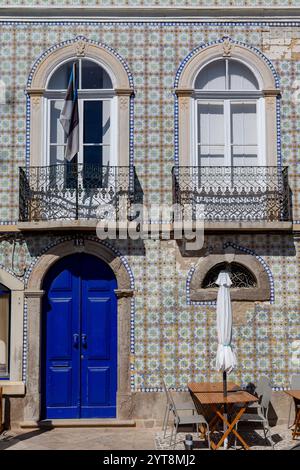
<point x="226" y="359"/>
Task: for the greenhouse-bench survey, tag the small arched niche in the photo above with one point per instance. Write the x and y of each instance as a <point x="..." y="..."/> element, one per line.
<point x="250" y="282"/>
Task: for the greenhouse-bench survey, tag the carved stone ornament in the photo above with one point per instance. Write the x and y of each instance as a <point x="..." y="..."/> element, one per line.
<point x="227" y="48"/>
<point x="123" y="102"/>
<point x="36" y="100"/>
<point x="184" y="103"/>
<point x="80" y="48"/>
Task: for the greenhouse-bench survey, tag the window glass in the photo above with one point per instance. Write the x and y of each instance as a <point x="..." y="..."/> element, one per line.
<point x="60" y="78"/>
<point x="244" y="133"/>
<point x="226" y="75"/>
<point x="4" y="330"/>
<point x="94" y="76"/>
<point x="57" y="134"/>
<point x="241" y="77"/>
<point x="91" y="76"/>
<point x="96" y="132"/>
<point x="212" y="77"/>
<point x="211" y="133"/>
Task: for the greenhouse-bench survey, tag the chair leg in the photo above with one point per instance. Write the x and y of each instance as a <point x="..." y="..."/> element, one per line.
<point x="167" y="420"/>
<point x="289" y="418"/>
<point x="171" y="438"/>
<point x="165" y="416"/>
<point x="267" y="432"/>
<point x="208" y="436"/>
<point x="176" y="430"/>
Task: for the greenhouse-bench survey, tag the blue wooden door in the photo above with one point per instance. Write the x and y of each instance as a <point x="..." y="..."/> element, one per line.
<point x="80" y="339"/>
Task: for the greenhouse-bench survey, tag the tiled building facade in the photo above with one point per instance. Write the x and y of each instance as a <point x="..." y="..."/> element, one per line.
<point x="170" y="332"/>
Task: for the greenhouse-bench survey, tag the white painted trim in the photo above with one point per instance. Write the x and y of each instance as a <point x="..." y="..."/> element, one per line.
<point x="113" y="156"/>
<point x="260" y="122"/>
<point x="79" y="59"/>
<point x="255" y="72"/>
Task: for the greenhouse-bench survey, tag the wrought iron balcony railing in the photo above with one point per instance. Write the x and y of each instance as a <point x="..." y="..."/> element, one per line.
<point x="72" y="192"/>
<point x="233" y="193"/>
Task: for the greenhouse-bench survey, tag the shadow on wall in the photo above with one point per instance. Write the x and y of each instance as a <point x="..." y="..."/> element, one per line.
<point x="268" y="248"/>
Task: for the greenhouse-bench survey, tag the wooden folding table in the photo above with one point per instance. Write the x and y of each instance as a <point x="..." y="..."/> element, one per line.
<point x="296" y="395"/>
<point x="217" y="402"/>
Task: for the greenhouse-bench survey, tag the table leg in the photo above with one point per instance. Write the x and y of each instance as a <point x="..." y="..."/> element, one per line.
<point x="230" y="428"/>
<point x="296" y="431"/>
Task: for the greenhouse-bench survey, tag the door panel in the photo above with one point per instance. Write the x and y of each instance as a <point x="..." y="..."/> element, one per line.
<point x="99" y="361"/>
<point x="62" y="381"/>
<point x="80" y="339"/>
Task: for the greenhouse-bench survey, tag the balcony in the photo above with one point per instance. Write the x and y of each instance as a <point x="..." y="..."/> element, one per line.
<point x="235" y="196"/>
<point x="69" y="192"/>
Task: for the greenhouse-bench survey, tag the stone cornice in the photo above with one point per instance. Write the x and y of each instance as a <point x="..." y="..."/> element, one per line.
<point x="246" y="13"/>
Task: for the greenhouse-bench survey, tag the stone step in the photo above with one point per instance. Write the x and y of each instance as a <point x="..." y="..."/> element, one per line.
<point x="79" y="423"/>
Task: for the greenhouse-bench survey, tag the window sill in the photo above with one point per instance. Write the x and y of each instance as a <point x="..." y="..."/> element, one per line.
<point x="12" y="388"/>
<point x="244" y="226"/>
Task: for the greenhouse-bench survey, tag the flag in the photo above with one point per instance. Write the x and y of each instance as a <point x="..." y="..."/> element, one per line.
<point x="69" y="117"/>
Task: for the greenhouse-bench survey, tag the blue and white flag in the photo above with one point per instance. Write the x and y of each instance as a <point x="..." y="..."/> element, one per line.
<point x="69" y="117"/>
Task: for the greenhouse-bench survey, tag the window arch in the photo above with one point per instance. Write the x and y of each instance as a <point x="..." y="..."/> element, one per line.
<point x="250" y="281"/>
<point x="229" y="116"/>
<point x="105" y="85"/>
<point x="227" y="108"/>
<point x="4" y="330"/>
<point x="241" y="276"/>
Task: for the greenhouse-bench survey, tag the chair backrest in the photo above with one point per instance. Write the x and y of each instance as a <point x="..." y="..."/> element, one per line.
<point x="295" y="382"/>
<point x="173" y="406"/>
<point x="166" y="390"/>
<point x="266" y="399"/>
<point x="263" y="382"/>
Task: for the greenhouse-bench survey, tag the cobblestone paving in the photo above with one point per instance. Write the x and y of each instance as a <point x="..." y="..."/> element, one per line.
<point x="129" y="439"/>
<point x="282" y="438"/>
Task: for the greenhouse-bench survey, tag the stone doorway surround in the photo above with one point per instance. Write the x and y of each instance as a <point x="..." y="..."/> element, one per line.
<point x="34" y="294"/>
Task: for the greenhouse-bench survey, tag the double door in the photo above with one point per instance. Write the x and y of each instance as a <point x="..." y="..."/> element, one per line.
<point x="80" y="339"/>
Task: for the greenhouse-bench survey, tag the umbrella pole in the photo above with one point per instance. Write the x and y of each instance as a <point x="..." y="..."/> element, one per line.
<point x="225" y="405"/>
<point x="224" y="383"/>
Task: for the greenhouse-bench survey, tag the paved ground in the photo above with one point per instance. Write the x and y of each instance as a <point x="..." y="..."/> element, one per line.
<point x="281" y="436"/>
<point x="80" y="439"/>
<point x="125" y="439"/>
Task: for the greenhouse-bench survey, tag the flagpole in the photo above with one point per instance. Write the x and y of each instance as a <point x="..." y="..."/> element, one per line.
<point x="76" y="163"/>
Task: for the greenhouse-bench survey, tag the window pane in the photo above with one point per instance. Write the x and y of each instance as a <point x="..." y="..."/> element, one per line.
<point x="212" y="77"/>
<point x="60" y="78"/>
<point x="4" y="332"/>
<point x="94" y="76"/>
<point x="211" y="133"/>
<point x="96" y="122"/>
<point x="57" y="154"/>
<point x="241" y="77"/>
<point x="244" y="133"/>
<point x="57" y="134"/>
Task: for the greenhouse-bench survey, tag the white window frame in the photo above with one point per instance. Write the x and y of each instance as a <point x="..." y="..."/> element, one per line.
<point x="86" y="94"/>
<point x="226" y="96"/>
<point x="260" y="122"/>
<point x="92" y="95"/>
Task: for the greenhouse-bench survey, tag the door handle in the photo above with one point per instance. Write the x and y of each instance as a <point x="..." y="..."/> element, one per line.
<point x="75" y="340"/>
<point x="84" y="340"/>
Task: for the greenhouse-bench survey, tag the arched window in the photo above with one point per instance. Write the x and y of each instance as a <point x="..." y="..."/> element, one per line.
<point x="4" y="330"/>
<point x="96" y="111"/>
<point x="240" y="276"/>
<point x="229" y="112"/>
<point x="227" y="100"/>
